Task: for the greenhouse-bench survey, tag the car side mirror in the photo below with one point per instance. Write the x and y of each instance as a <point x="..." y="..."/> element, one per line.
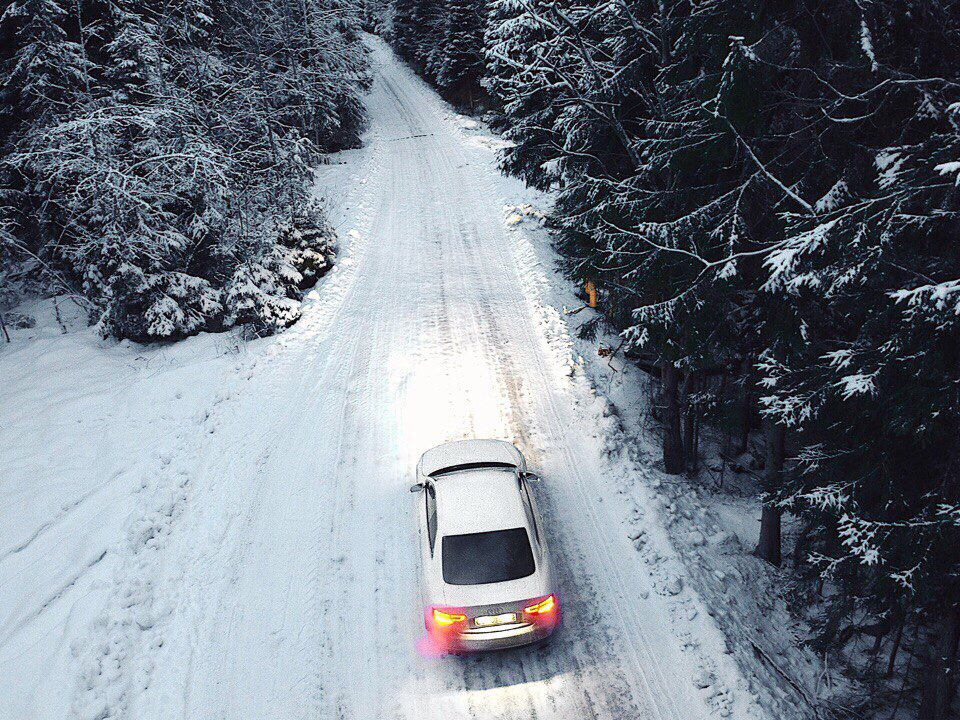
<point x="531" y="476"/>
<point x="416" y="487"/>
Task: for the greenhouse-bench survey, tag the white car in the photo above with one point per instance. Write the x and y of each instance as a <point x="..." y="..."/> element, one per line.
<point x="487" y="578"/>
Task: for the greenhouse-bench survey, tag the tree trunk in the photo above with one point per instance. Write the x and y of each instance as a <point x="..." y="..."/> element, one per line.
<point x="769" y="546"/>
<point x="746" y="408"/>
<point x="941" y="682"/>
<point x="800" y="547"/>
<point x="689" y="387"/>
<point x="672" y="440"/>
<point x="892" y="661"/>
<point x="696" y="444"/>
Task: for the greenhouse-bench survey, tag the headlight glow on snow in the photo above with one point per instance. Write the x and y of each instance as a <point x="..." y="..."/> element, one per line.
<point x="447" y="395"/>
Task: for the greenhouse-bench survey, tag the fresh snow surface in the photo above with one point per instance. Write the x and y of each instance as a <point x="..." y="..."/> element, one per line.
<point x="220" y="529"/>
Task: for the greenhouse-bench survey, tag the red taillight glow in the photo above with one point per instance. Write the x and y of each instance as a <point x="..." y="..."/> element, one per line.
<point x="541" y="608"/>
<point x="446" y="619"/>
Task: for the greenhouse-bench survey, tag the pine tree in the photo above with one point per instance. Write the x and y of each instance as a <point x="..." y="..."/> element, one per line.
<point x="45" y="66"/>
<point x="184" y="154"/>
<point x="462" y="57"/>
<point x="874" y="272"/>
<point x="418" y="30"/>
<point x="526" y="88"/>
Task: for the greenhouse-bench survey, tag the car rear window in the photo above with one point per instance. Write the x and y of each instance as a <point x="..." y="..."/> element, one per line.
<point x="487" y="557"/>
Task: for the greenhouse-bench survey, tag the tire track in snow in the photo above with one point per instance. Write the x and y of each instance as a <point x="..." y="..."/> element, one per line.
<point x="312" y="335"/>
<point x="506" y="351"/>
<point x="469" y="261"/>
<point x="488" y="299"/>
<point x="557" y="431"/>
<point x="355" y="599"/>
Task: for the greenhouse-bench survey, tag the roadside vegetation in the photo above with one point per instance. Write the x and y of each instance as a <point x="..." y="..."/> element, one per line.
<point x="766" y="196"/>
<point x="156" y="158"/>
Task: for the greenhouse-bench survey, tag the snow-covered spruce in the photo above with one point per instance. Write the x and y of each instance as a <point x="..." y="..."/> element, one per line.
<point x="156" y="160"/>
<point x="263" y="292"/>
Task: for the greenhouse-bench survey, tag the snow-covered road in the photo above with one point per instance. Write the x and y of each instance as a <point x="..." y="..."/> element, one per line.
<point x="261" y="560"/>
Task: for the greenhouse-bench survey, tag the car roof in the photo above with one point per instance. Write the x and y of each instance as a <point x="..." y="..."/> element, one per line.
<point x="479" y="500"/>
<point x="465" y="452"/>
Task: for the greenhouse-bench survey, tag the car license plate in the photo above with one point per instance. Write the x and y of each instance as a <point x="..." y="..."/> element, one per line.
<point x="502" y="619"/>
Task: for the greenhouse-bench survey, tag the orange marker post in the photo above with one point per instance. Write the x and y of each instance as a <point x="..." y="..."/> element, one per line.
<point x="591" y="287"/>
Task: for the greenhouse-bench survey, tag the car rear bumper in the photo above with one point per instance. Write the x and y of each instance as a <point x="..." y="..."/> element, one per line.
<point x="462" y="632"/>
<point x="501" y="637"/>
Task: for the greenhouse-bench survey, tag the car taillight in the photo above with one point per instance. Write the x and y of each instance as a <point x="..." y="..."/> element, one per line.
<point x="544" y="607"/>
<point x="445" y="619"/>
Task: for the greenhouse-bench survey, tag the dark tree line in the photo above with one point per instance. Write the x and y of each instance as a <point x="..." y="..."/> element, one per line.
<point x="443" y="41"/>
<point x="767" y="195"/>
<point x="155" y="158"/>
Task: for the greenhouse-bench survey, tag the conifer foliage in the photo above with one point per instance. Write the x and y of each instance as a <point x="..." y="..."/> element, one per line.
<point x="443" y="40"/>
<point x="157" y="156"/>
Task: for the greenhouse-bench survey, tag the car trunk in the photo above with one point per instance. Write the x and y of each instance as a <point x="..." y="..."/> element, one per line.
<point x="511" y="592"/>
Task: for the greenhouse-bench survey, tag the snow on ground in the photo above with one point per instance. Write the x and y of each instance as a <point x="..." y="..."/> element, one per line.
<point x="91" y="460"/>
<point x="220" y="529"/>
